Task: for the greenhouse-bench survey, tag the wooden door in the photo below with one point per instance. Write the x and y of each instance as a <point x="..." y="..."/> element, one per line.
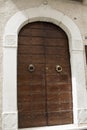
<point x="44" y="77"/>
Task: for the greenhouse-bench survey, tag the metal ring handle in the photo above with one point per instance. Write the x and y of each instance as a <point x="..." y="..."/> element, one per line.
<point x="31" y="68"/>
<point x="58" y="68"/>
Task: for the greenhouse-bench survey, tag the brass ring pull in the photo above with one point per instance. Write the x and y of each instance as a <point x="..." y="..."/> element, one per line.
<point x="58" y="68"/>
<point x="31" y="68"/>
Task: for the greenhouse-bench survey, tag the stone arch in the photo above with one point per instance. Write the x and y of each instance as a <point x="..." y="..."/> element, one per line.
<point x="16" y="22"/>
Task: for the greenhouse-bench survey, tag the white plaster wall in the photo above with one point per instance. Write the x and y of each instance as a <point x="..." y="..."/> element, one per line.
<point x="75" y="10"/>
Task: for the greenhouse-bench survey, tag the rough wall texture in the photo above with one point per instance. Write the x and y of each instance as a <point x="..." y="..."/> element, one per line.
<point x="75" y="10"/>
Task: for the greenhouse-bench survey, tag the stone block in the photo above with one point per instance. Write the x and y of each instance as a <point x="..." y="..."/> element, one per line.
<point x="9" y="121"/>
<point x="82" y="116"/>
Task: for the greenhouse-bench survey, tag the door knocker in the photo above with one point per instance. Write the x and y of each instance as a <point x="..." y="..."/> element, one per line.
<point x="31" y="68"/>
<point x="58" y="68"/>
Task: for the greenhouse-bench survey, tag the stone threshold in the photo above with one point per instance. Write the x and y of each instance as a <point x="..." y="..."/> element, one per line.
<point x="63" y="127"/>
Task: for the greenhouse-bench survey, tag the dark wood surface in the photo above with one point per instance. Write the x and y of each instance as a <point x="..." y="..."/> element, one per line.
<point x="44" y="96"/>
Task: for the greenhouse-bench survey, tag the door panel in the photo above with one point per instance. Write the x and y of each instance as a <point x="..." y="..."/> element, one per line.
<point x="44" y="92"/>
<point x="59" y="118"/>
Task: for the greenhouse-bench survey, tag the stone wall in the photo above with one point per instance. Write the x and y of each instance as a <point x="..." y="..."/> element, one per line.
<point x="75" y="10"/>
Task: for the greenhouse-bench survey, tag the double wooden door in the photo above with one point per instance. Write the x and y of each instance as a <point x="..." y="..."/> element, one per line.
<point x="44" y="78"/>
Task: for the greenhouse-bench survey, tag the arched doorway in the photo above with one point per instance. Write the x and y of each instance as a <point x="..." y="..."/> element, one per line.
<point x="44" y="76"/>
<point x="10" y="47"/>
